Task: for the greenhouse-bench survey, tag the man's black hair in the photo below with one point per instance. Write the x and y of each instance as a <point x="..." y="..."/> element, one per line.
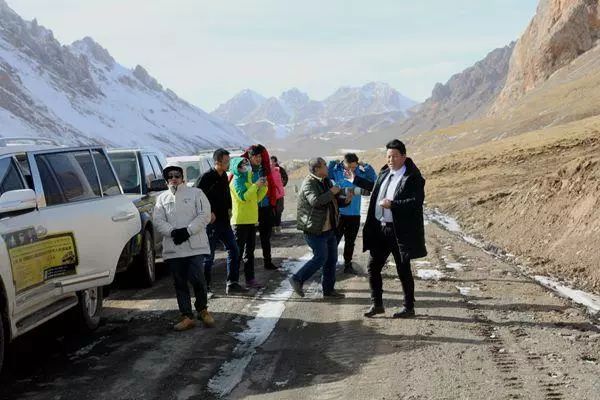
<point x="315" y="163"/>
<point x="219" y="154"/>
<point x="396" y="144"/>
<point x="351" y="157"/>
<point x="274" y="159"/>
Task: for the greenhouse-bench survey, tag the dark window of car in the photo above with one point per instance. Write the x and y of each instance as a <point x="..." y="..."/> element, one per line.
<point x="23" y="164"/>
<point x="126" y="166"/>
<point x="9" y="176"/>
<point x="192" y="171"/>
<point x="150" y="176"/>
<point x="67" y="177"/>
<point x="156" y="165"/>
<point x="108" y="181"/>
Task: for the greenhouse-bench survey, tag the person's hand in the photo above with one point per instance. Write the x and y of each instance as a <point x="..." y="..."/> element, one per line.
<point x="385" y="203"/>
<point x="180" y="235"/>
<point x="335" y="190"/>
<point x="261" y="182"/>
<point x="349" y="196"/>
<point x="213" y="217"/>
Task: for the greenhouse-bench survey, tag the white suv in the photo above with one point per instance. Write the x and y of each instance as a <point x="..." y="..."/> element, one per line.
<point x="64" y="222"/>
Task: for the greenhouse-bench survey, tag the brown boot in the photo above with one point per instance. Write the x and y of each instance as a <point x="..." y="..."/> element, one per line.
<point x="185" y="324"/>
<point x="206" y="318"/>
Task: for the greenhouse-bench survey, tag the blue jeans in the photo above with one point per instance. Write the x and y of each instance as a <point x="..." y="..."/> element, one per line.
<point x="222" y="232"/>
<point x="324" y="247"/>
<point x="184" y="270"/>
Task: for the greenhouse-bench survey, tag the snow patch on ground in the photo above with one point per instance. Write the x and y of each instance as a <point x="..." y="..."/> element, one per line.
<point x="421" y="263"/>
<point x="466" y="290"/>
<point x="430" y="274"/>
<point x="256" y="333"/>
<point x="452" y="225"/>
<point x="455" y="266"/>
<point x="589" y="300"/>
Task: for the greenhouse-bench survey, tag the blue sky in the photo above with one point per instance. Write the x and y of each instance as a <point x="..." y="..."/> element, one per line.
<point x="207" y="51"/>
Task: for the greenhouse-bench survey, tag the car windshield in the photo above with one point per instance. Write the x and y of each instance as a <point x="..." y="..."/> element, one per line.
<point x="126" y="166"/>
<point x="191" y="169"/>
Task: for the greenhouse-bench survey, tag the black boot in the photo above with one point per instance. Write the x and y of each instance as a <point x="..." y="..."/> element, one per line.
<point x="404" y="313"/>
<point x="374" y="310"/>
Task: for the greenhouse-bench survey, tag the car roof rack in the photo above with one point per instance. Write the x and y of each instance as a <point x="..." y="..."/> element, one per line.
<point x="24" y="141"/>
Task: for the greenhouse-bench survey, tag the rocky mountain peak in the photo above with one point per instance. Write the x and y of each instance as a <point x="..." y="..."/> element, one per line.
<point x="561" y="31"/>
<point x="294" y="100"/>
<point x="93" y="50"/>
<point x="239" y="106"/>
<point x="144" y="77"/>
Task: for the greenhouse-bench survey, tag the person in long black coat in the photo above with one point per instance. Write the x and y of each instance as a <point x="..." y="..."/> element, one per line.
<point x="394" y="225"/>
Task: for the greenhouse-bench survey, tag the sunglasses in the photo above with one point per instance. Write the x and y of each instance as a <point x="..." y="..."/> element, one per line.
<point x="174" y="176"/>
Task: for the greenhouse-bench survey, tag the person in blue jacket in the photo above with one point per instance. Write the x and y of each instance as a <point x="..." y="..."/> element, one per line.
<point x="349" y="216"/>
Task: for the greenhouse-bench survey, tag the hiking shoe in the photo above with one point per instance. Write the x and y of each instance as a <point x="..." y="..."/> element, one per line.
<point x="374" y="310"/>
<point x="185" y="324"/>
<point x="297" y="286"/>
<point x="253" y="283"/>
<point x="206" y="318"/>
<point x="348" y="269"/>
<point x="235" y="287"/>
<point x="270" y="266"/>
<point x="334" y="295"/>
<point x="404" y="313"/>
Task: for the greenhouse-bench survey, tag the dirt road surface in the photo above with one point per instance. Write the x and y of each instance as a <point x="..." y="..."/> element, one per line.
<point x="482" y="331"/>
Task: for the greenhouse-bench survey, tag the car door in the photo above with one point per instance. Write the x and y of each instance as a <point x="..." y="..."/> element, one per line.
<point x="146" y="204"/>
<point x="82" y="223"/>
<point x="10" y="179"/>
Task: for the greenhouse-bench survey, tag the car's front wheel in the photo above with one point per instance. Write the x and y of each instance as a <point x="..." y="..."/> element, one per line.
<point x="3" y="340"/>
<point x="146" y="265"/>
<point x="88" y="309"/>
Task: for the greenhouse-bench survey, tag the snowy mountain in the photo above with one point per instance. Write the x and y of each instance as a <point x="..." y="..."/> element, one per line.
<point x="239" y="106"/>
<point x="271" y="110"/>
<point x="79" y="94"/>
<point x="348" y="111"/>
<point x="372" y="98"/>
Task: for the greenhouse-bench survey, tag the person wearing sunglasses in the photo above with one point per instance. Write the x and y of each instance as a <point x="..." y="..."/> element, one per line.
<point x="181" y="215"/>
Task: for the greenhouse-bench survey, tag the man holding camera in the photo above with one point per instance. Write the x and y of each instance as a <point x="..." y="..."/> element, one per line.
<point x="318" y="217"/>
<point x="350" y="215"/>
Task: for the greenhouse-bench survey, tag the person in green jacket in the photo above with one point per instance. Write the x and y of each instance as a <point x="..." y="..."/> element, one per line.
<point x="245" y="197"/>
<point x="318" y="216"/>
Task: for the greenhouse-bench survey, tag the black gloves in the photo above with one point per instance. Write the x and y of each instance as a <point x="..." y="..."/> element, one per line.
<point x="180" y="235"/>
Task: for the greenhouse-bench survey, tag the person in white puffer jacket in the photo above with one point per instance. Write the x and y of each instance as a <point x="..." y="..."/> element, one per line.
<point x="181" y="215"/>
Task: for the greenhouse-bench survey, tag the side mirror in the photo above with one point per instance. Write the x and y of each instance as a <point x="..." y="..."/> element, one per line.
<point x="158" y="185"/>
<point x="17" y="200"/>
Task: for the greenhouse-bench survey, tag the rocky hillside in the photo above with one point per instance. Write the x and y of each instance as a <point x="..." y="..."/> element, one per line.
<point x="560" y="32"/>
<point x="525" y="176"/>
<point x="79" y="94"/>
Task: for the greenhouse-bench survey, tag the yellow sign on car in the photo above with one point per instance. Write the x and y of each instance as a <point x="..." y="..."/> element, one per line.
<point x="36" y="260"/>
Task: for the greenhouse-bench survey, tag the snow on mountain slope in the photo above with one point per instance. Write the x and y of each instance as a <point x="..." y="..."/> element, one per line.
<point x="79" y="94"/>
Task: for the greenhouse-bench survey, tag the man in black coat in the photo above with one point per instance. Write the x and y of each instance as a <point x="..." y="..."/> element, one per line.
<point x="215" y="185"/>
<point x="394" y="225"/>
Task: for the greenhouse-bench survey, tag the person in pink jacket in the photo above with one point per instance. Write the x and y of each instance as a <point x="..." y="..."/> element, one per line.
<point x="280" y="180"/>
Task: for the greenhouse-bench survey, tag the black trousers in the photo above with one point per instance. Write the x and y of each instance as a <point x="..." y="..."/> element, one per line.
<point x="278" y="212"/>
<point x="245" y="237"/>
<point x="266" y="218"/>
<point x="348" y="229"/>
<point x="386" y="244"/>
